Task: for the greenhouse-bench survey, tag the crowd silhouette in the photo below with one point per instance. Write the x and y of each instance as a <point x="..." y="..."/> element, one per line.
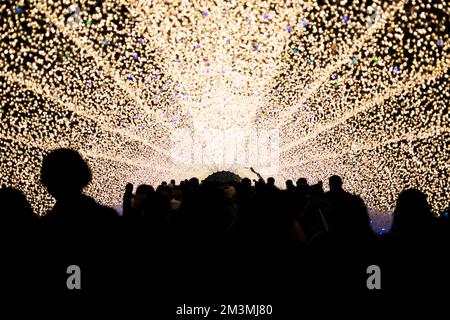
<point x="247" y="238"/>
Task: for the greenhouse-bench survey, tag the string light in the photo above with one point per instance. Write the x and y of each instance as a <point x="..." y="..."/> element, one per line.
<point x="356" y="90"/>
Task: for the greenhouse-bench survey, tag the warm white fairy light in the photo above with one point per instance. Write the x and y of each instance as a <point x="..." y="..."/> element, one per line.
<point x="357" y="90"/>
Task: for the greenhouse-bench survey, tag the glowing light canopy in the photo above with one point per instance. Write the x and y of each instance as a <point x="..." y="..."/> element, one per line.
<point x="153" y="90"/>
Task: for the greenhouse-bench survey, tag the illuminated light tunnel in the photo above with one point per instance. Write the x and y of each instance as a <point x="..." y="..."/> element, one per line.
<point x="157" y="90"/>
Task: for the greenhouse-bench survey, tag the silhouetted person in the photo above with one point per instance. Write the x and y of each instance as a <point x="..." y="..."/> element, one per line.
<point x="176" y="198"/>
<point x="19" y="242"/>
<point x="245" y="198"/>
<point x="316" y="213"/>
<point x="77" y="222"/>
<point x="415" y="245"/>
<point x="17" y="221"/>
<point x="246" y="183"/>
<point x="302" y="194"/>
<point x="335" y="183"/>
<point x="412" y="214"/>
<point x="340" y="201"/>
<point x="271" y="184"/>
<point x="135" y="205"/>
<point x="127" y="204"/>
<point x="157" y="206"/>
<point x="355" y="221"/>
<point x="194" y="182"/>
<point x="15" y="208"/>
<point x="349" y="240"/>
<point x="65" y="174"/>
<point x="290" y="185"/>
<point x="316" y="189"/>
<point x="142" y="199"/>
<point x="302" y="182"/>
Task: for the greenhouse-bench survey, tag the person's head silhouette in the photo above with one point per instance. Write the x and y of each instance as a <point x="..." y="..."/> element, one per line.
<point x="194" y="182"/>
<point x="335" y="183"/>
<point x="302" y="182"/>
<point x="412" y="211"/>
<point x="65" y="173"/>
<point x="355" y="218"/>
<point x="246" y="182"/>
<point x="289" y="184"/>
<point x="15" y="206"/>
<point x="316" y="190"/>
<point x="271" y="181"/>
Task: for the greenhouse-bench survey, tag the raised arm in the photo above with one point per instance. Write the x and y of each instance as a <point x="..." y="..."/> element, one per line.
<point x="259" y="176"/>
